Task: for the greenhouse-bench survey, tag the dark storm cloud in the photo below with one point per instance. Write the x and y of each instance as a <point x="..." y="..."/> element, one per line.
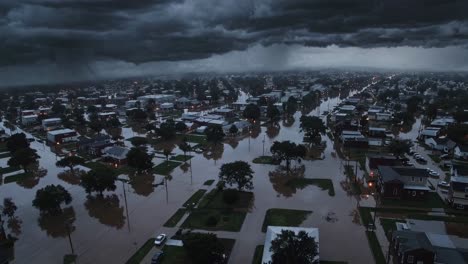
<point x="138" y="31"/>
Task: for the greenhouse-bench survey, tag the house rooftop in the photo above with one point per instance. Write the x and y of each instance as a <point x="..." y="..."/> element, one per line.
<point x="394" y="173"/>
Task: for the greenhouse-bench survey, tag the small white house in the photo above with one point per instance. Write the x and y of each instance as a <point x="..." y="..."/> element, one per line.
<point x="442" y="144"/>
<point x="51" y="123"/>
<point x="28" y="119"/>
<point x="461" y="152"/>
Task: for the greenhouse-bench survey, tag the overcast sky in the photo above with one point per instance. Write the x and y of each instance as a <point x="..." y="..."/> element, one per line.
<point x="59" y="40"/>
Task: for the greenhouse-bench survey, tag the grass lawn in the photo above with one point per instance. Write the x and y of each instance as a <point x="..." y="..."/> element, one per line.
<point x="178" y="255"/>
<point x="375" y="247"/>
<point x="69" y="259"/>
<point x="166" y="167"/>
<point x="435" y="158"/>
<point x="366" y="217"/>
<point x="389" y="225"/>
<point x="265" y="160"/>
<point x="208" y="182"/>
<point x="198" y="139"/>
<point x="8" y="170"/>
<point x="175" y="255"/>
<point x="432" y="200"/>
<point x="175" y="218"/>
<point x="17" y="177"/>
<point x="214" y="200"/>
<point x="182" y="158"/>
<point x="257" y="259"/>
<point x="349" y="172"/>
<point x="284" y="217"/>
<point x="5" y="155"/>
<point x="142" y="252"/>
<point x="195" y="198"/>
<point x="301" y="183"/>
<point x="3" y="147"/>
<point x="226" y="220"/>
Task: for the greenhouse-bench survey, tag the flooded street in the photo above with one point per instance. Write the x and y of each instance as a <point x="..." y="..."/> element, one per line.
<point x="112" y="228"/>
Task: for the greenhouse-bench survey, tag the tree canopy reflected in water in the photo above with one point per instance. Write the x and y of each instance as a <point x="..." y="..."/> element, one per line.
<point x="280" y="177"/>
<point x="58" y="225"/>
<point x="142" y="183"/>
<point x="107" y="209"/>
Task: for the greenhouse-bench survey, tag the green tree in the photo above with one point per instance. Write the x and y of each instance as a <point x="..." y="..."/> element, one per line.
<point x="180" y="126"/>
<point x="17" y="141"/>
<point x="50" y="198"/>
<point x="273" y="112"/>
<point x="91" y="109"/>
<point x="138" y="141"/>
<point x="413" y="104"/>
<point x="185" y="147"/>
<point x="289" y="248"/>
<point x="167" y="130"/>
<point x="70" y="162"/>
<point x="237" y="173"/>
<point x="203" y="248"/>
<point x="312" y="127"/>
<point x="139" y="159"/>
<point x="252" y="112"/>
<point x="290" y="106"/>
<point x="99" y="180"/>
<point x="23" y="158"/>
<point x="399" y="147"/>
<point x="287" y="151"/>
<point x="58" y="108"/>
<point x="214" y="134"/>
<point x="233" y="130"/>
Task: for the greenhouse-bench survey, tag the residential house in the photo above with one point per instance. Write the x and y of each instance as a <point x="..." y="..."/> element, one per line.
<point x="400" y="182"/>
<point x="62" y="136"/>
<point x="458" y="190"/>
<point x="442" y="144"/>
<point x="353" y="139"/>
<point x="115" y="154"/>
<point x="373" y="161"/>
<point x="409" y="247"/>
<point x="51" y="123"/>
<point x="430" y="132"/>
<point x="28" y="120"/>
<point x="461" y="152"/>
<point x="94" y="146"/>
<point x="416" y="247"/>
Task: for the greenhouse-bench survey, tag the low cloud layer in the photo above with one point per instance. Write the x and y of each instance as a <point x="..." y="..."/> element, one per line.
<point x="79" y="33"/>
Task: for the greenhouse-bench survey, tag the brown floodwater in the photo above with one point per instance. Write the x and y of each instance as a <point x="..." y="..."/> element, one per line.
<point x="109" y="229"/>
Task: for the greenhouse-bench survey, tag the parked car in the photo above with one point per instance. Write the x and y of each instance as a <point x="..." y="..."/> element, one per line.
<point x="159" y="240"/>
<point x="443" y="184"/>
<point x="157" y="257"/>
<point x="433" y="173"/>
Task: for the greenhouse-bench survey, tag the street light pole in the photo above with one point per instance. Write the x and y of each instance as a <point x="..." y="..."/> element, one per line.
<point x="263" y="145"/>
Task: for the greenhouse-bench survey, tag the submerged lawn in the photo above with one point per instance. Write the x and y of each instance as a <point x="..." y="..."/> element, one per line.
<point x="284" y="217"/>
<point x="301" y="183"/>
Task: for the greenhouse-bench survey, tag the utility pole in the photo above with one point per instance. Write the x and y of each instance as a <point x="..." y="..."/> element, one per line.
<point x="126" y="206"/>
<point x="67" y="225"/>
<point x="263" y="145"/>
